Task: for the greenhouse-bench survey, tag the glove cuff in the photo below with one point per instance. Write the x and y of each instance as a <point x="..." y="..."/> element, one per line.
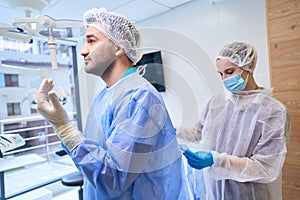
<point x="70" y="136"/>
<point x="216" y="159"/>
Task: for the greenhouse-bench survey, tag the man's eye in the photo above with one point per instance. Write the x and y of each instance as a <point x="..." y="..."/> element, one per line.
<point x="91" y="41"/>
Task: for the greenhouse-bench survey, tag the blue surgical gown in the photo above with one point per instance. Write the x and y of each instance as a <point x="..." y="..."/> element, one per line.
<point x="130" y="149"/>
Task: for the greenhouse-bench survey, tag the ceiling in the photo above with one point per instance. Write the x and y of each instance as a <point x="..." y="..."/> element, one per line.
<point x="136" y="10"/>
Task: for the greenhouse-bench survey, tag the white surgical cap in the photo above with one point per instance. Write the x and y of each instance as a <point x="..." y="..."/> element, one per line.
<point x="240" y="53"/>
<point x="118" y="29"/>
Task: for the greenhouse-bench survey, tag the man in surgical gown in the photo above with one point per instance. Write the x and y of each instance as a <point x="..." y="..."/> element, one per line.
<point x="129" y="148"/>
<point x="243" y="133"/>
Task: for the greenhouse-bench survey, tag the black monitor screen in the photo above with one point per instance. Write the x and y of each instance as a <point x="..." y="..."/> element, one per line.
<point x="154" y="69"/>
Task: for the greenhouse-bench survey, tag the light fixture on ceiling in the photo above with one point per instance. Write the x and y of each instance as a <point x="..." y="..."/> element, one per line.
<point x="45" y="26"/>
<point x="40" y="26"/>
<point x="30" y="7"/>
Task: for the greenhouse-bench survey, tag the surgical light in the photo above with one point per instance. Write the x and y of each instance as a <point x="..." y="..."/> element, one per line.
<point x="41" y="26"/>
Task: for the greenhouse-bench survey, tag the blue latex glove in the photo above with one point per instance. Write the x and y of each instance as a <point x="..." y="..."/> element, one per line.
<point x="200" y="159"/>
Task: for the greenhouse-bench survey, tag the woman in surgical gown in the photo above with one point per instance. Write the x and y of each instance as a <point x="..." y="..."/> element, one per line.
<point x="243" y="134"/>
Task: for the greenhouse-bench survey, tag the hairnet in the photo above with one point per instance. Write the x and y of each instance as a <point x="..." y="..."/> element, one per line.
<point x="118" y="29"/>
<point x="240" y="53"/>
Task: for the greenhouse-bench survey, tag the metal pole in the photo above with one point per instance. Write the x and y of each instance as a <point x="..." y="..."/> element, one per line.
<point x="2" y="189"/>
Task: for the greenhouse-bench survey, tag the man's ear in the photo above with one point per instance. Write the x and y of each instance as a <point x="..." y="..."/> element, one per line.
<point x="120" y="51"/>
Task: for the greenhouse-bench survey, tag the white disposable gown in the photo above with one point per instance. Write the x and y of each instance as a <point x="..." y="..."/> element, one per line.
<point x="247" y="133"/>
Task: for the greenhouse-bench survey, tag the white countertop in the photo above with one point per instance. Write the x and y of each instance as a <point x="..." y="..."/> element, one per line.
<point x="31" y="177"/>
<point x="19" y="161"/>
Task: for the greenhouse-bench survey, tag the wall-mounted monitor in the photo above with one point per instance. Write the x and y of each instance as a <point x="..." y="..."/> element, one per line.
<point x="154" y="69"/>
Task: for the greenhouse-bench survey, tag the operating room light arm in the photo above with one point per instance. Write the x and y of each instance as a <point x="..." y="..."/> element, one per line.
<point x="18" y="36"/>
<point x="42" y="26"/>
<point x="52" y="48"/>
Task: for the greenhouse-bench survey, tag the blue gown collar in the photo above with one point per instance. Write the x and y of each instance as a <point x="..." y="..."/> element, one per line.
<point x="130" y="70"/>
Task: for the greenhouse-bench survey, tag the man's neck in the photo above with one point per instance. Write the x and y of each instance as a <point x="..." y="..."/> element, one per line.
<point x="118" y="69"/>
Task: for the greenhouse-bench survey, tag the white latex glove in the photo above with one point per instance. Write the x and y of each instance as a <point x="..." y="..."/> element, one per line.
<point x="50" y="108"/>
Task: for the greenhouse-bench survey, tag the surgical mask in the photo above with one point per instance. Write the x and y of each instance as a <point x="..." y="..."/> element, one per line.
<point x="235" y="83"/>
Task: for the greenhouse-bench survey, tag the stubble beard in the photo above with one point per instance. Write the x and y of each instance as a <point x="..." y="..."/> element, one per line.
<point x="107" y="73"/>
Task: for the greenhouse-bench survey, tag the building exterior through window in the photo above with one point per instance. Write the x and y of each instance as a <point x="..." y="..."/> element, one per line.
<point x="22" y="68"/>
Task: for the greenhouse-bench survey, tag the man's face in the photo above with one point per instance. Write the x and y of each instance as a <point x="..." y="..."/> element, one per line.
<point x="98" y="52"/>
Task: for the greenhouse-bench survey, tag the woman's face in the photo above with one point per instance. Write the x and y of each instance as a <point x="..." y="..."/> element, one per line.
<point x="227" y="69"/>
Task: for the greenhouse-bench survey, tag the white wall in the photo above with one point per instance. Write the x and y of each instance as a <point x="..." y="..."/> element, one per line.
<point x="184" y="72"/>
<point x="202" y="28"/>
<point x="213" y="25"/>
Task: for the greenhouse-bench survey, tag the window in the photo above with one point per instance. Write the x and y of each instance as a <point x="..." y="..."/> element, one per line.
<point x="33" y="111"/>
<point x="23" y="66"/>
<point x="11" y="80"/>
<point x="13" y="109"/>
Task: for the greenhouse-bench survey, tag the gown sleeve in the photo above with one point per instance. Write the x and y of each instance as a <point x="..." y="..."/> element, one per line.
<point x="113" y="167"/>
<point x="266" y="162"/>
